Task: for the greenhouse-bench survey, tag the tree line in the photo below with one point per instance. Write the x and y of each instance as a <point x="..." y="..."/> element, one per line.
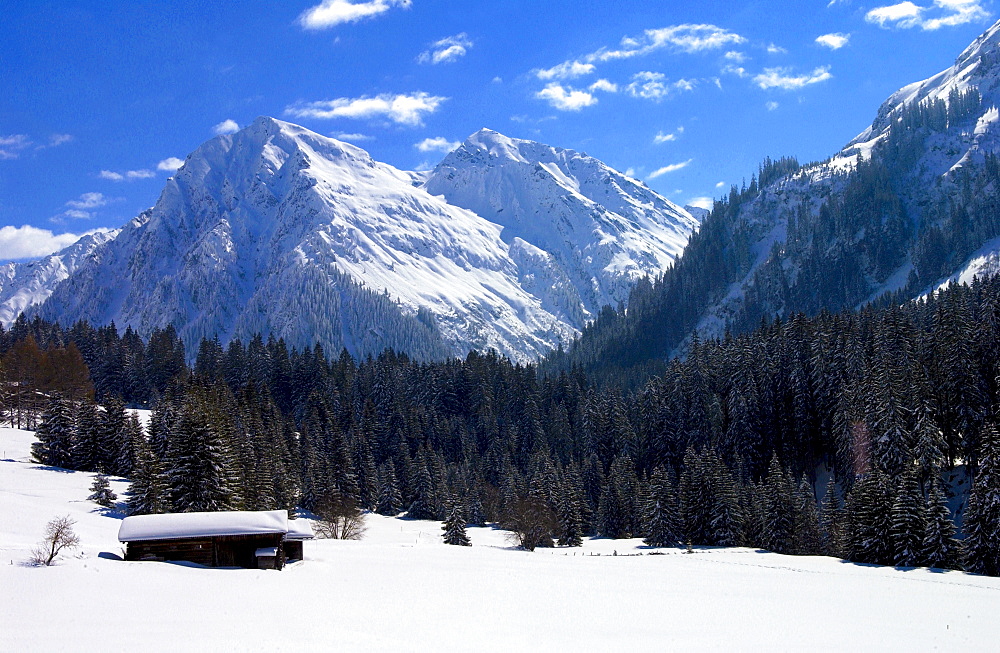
<point x="845" y="434"/>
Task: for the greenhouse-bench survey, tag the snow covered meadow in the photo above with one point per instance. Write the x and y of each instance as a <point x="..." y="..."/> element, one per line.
<point x="402" y="589"/>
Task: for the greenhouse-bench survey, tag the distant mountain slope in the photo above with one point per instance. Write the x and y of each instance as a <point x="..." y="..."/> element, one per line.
<point x="904" y="206"/>
<point x="604" y="229"/>
<point x="23" y="285"/>
<point x="278" y="230"/>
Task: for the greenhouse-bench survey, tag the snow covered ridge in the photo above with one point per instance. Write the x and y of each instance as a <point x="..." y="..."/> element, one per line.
<point x="603" y="229"/>
<point x="23" y="285"/>
<point x="278" y="230"/>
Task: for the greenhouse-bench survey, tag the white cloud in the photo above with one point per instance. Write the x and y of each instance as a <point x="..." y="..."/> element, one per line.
<point x="942" y="13"/>
<point x="739" y="71"/>
<point x="668" y="138"/>
<point x="654" y="86"/>
<point x="88" y="201"/>
<point x="673" y="167"/>
<point x="56" y="140"/>
<point x="735" y="57"/>
<point x="772" y="105"/>
<point x="776" y="49"/>
<point x="130" y="175"/>
<point x="330" y="13"/>
<point x="227" y="126"/>
<point x="603" y="85"/>
<point x="402" y="109"/>
<point x="565" y="98"/>
<point x="29" y="242"/>
<point x="11" y="146"/>
<point x="686" y="38"/>
<point x="833" y="41"/>
<point x="446" y="50"/>
<point x="781" y="78"/>
<point x="351" y="136"/>
<point x="170" y="164"/>
<point x="437" y="144"/>
<point x="565" y="70"/>
<point x="706" y="203"/>
<point x="721" y="184"/>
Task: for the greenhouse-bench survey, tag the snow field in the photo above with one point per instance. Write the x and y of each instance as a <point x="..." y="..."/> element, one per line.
<point x="402" y="589"/>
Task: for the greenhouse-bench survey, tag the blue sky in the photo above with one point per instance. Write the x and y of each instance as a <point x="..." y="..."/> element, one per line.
<point x="100" y="100"/>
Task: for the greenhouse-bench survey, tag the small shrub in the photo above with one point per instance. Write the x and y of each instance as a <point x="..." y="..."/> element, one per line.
<point x="59" y="536"/>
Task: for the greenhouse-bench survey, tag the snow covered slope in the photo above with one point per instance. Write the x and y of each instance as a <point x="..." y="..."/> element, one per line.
<point x="977" y="67"/>
<point x="928" y="168"/>
<point x="402" y="589"/>
<point x="23" y="285"/>
<point x="278" y="230"/>
<point x="604" y="230"/>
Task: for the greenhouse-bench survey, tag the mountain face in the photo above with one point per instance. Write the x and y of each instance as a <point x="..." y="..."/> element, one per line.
<point x="23" y="285"/>
<point x="911" y="203"/>
<point x="278" y="230"/>
<point x="602" y="229"/>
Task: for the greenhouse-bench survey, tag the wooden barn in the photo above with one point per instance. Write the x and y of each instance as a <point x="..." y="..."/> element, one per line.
<point x="299" y="530"/>
<point x="255" y="540"/>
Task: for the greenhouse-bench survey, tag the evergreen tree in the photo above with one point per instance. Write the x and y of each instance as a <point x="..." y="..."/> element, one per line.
<point x="199" y="476"/>
<point x="454" y="528"/>
<point x="148" y="492"/>
<point x="569" y="509"/>
<point x="87" y="450"/>
<point x="940" y="549"/>
<point x="909" y="526"/>
<point x="662" y="523"/>
<point x="982" y="512"/>
<point x="55" y="435"/>
<point x="807" y="538"/>
<point x="779" y="507"/>
<point x="831" y="520"/>
<point x="424" y="506"/>
<point x="101" y="492"/>
<point x="390" y="501"/>
<point x="869" y="519"/>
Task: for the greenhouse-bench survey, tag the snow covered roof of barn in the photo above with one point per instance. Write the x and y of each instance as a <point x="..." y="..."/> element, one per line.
<point x="178" y="525"/>
<point x="299" y="529"/>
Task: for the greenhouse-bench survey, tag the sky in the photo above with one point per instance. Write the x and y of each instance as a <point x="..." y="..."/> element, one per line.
<point x="101" y="100"/>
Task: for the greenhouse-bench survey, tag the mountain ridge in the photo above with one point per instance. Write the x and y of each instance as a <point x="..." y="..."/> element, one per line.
<point x="279" y="230"/>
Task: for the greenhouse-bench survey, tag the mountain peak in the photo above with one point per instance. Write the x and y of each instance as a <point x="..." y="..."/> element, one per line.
<point x="985" y="43"/>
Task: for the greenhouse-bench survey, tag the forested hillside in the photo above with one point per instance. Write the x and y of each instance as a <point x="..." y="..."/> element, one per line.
<point x="872" y="413"/>
<point x="837" y="235"/>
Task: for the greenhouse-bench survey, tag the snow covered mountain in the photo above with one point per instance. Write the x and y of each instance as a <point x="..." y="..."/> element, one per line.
<point x="602" y="230"/>
<point x="278" y="230"/>
<point x="910" y="204"/>
<point x="930" y="150"/>
<point x="23" y="285"/>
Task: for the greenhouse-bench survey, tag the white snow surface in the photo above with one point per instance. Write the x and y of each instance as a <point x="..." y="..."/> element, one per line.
<point x="258" y="229"/>
<point x="984" y="263"/>
<point x="202" y="524"/>
<point x="402" y="589"/>
<point x="23" y="285"/>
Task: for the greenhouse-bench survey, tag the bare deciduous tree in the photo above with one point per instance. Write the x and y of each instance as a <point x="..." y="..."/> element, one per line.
<point x="340" y="518"/>
<point x="532" y="523"/>
<point x="59" y="535"/>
